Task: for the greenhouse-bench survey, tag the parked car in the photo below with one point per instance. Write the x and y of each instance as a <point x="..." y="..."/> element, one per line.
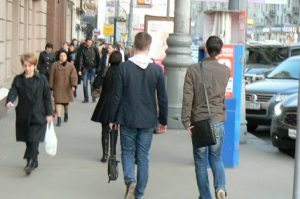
<point x="261" y="59"/>
<point x="284" y="124"/>
<point x="263" y="95"/>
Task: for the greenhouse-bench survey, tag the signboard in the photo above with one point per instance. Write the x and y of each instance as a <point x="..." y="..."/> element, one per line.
<point x="144" y="2"/>
<point x="159" y="28"/>
<point x="229" y="26"/>
<point x="227" y="58"/>
<point x="108" y="30"/>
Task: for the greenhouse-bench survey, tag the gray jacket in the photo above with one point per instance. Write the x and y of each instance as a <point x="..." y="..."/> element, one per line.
<point x="194" y="106"/>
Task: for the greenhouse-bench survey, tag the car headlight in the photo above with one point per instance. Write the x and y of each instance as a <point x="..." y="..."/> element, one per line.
<point x="277" y="109"/>
<point x="280" y="98"/>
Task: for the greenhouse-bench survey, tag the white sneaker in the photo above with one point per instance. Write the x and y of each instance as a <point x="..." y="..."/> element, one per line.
<point x="130" y="191"/>
<point x="221" y="194"/>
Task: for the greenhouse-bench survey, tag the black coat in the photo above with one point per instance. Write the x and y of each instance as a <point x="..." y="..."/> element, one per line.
<point x="34" y="104"/>
<point x="45" y="62"/>
<point x="103" y="110"/>
<point x="137" y="91"/>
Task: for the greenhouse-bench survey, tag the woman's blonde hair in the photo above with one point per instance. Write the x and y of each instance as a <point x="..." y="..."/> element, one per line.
<point x="30" y="57"/>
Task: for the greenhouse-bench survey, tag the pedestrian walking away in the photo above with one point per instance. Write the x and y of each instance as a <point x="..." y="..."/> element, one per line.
<point x="194" y="108"/>
<point x="89" y="64"/>
<point x="63" y="82"/>
<point x="103" y="110"/>
<point x="34" y="108"/>
<point x="46" y="59"/>
<point x="139" y="86"/>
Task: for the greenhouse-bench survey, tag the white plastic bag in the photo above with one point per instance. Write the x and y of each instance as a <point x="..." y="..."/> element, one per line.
<point x="50" y="140"/>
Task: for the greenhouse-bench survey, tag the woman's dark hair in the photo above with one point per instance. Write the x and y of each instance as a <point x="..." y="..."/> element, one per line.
<point x="62" y="51"/>
<point x="214" y="45"/>
<point x="49" y="45"/>
<point x="115" y="58"/>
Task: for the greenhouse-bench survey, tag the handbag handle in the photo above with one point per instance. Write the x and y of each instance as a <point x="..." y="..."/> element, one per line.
<point x="204" y="86"/>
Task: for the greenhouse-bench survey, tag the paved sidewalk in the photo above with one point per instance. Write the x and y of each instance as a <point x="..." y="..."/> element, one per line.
<point x="77" y="173"/>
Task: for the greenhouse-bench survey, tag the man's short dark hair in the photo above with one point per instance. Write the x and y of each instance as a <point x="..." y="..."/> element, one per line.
<point x="49" y="45"/>
<point x="115" y="58"/>
<point x="142" y="41"/>
<point x="214" y="46"/>
<point x="88" y="39"/>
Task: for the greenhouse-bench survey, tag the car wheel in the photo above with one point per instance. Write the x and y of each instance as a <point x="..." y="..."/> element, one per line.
<point x="251" y="127"/>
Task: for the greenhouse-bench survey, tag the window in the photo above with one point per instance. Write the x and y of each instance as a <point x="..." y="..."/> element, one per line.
<point x="295" y="52"/>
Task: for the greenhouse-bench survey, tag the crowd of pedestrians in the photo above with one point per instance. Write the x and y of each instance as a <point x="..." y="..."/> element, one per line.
<point x="133" y="101"/>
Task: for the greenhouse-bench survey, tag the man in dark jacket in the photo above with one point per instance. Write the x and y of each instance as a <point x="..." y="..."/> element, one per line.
<point x="140" y="84"/>
<point x="194" y="108"/>
<point x="46" y="59"/>
<point x="89" y="64"/>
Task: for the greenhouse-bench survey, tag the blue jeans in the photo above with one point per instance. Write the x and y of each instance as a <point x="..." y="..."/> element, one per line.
<point x="135" y="146"/>
<point x="88" y="74"/>
<point x="214" y="154"/>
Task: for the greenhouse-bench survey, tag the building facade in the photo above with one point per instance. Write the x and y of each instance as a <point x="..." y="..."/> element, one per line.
<point x="61" y="21"/>
<point x="23" y="29"/>
<point x="276" y="22"/>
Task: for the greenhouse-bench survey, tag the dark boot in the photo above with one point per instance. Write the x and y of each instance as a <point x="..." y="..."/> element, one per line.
<point x="66" y="118"/>
<point x="105" y="142"/>
<point x="58" y="121"/>
<point x="31" y="165"/>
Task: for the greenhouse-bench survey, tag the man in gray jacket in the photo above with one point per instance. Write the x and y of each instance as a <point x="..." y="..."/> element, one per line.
<point x="194" y="108"/>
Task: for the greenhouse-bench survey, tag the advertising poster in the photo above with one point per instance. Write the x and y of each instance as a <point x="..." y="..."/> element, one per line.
<point x="227" y="58"/>
<point x="159" y="28"/>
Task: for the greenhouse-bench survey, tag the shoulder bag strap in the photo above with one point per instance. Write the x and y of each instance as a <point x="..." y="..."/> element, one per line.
<point x="204" y="86"/>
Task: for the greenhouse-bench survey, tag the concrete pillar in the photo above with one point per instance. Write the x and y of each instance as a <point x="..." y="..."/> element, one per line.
<point x="177" y="60"/>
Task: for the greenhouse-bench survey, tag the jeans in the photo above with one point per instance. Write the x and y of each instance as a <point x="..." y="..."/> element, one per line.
<point x="135" y="146"/>
<point x="88" y="74"/>
<point x="214" y="154"/>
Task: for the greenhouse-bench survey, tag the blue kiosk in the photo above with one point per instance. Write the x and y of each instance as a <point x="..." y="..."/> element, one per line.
<point x="232" y="56"/>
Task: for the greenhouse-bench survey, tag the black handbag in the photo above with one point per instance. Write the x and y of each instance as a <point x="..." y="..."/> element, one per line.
<point x="203" y="133"/>
<point x="112" y="166"/>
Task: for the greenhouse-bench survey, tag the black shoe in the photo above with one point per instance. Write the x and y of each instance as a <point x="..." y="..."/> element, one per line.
<point x="66" y="118"/>
<point x="58" y="121"/>
<point x="85" y="101"/>
<point x="31" y="165"/>
<point x="104" y="158"/>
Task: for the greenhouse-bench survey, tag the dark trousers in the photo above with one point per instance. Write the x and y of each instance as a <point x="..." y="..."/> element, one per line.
<point x="105" y="140"/>
<point x="32" y="150"/>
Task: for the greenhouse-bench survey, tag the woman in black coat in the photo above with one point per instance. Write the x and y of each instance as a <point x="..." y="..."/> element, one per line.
<point x="34" y="108"/>
<point x="102" y="112"/>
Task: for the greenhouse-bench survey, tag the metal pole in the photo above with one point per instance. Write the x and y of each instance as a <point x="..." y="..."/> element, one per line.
<point x="168" y="8"/>
<point x="233" y="5"/>
<point x="298" y="21"/>
<point x="296" y="189"/>
<point x="117" y="4"/>
<point x="130" y="31"/>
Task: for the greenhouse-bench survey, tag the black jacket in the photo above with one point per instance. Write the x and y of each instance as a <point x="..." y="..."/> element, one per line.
<point x="136" y="94"/>
<point x="45" y="62"/>
<point x="34" y="104"/>
<point x="89" y="58"/>
<point x="103" y="110"/>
